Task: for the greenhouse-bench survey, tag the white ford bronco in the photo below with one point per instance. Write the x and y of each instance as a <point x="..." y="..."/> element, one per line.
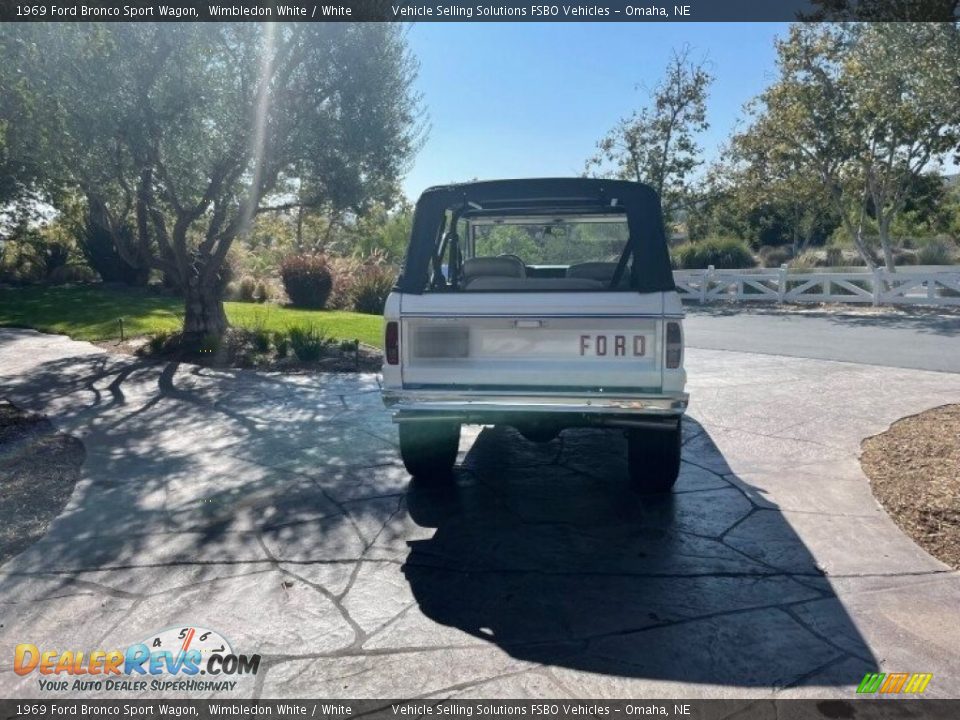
<point x="540" y="304"/>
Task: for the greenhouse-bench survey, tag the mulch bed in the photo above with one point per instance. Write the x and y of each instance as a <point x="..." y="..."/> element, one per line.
<point x="914" y="470"/>
<point x="38" y="470"/>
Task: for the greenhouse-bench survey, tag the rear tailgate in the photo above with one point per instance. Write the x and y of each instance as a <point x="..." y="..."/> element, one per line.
<point x="520" y="342"/>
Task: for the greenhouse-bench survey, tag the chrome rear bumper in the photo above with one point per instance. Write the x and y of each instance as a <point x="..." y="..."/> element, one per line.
<point x="562" y="409"/>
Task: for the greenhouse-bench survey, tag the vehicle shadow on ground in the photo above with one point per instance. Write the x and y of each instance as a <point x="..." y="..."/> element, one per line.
<point x="545" y="550"/>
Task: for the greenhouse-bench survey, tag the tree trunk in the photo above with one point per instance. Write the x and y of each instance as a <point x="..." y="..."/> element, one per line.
<point x="299" y="236"/>
<point x="855" y="231"/>
<point x="884" y="227"/>
<point x="856" y="234"/>
<point x="204" y="315"/>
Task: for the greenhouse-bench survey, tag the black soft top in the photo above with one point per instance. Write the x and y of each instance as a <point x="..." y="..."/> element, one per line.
<point x="647" y="244"/>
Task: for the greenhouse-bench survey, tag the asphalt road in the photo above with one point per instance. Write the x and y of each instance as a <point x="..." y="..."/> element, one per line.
<point x="921" y="340"/>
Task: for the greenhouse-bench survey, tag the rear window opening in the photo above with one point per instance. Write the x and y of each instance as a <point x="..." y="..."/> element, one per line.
<point x="534" y="254"/>
<point x="538" y="235"/>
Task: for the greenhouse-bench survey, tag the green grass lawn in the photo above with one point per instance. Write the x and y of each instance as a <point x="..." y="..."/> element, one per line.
<point x="91" y="313"/>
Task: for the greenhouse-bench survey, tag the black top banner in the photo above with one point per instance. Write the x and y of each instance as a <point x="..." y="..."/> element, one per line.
<point x="467" y="11"/>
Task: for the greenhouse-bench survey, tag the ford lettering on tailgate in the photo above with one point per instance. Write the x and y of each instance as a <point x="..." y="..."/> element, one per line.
<point x="613" y="345"/>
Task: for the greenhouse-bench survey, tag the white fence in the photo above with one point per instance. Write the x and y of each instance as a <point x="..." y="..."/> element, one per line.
<point x="912" y="286"/>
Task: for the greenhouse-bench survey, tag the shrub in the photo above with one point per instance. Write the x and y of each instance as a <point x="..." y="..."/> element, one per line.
<point x="281" y="341"/>
<point x="262" y="293"/>
<point x="234" y="348"/>
<point x="71" y="274"/>
<point x="246" y="289"/>
<point x="371" y="290"/>
<point x="158" y="342"/>
<point x="721" y="253"/>
<point x="260" y="339"/>
<point x="806" y="261"/>
<point x="308" y="280"/>
<point x="936" y="252"/>
<point x="854" y="259"/>
<point x="904" y="257"/>
<point x="834" y="256"/>
<point x="21" y="273"/>
<point x="308" y="343"/>
<point x="346" y="270"/>
<point x="225" y="275"/>
<point x="774" y="257"/>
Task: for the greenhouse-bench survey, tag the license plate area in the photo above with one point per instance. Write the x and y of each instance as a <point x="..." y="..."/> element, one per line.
<point x="621" y="340"/>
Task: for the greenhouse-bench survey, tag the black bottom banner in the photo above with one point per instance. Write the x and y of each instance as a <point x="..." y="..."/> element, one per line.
<point x="854" y="709"/>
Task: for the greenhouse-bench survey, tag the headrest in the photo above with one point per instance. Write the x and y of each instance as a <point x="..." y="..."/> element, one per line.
<point x="493" y="267"/>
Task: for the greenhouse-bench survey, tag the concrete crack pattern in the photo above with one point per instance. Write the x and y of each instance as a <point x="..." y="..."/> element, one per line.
<point x="274" y="509"/>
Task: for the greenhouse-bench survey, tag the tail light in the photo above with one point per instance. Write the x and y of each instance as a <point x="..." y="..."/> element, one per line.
<point x="674" y="348"/>
<point x="393" y="343"/>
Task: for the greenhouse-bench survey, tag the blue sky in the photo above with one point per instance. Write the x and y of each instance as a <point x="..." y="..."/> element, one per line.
<point x="532" y="99"/>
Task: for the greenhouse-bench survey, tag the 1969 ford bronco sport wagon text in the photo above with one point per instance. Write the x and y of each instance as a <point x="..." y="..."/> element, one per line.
<point x="540" y="304"/>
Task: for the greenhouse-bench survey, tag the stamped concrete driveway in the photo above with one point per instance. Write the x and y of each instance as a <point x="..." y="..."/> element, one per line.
<point x="273" y="509"/>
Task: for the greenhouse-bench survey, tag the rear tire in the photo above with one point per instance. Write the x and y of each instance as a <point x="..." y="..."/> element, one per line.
<point x="429" y="449"/>
<point x="653" y="459"/>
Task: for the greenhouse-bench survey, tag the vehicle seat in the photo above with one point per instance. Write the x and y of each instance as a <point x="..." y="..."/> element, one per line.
<point x="492" y="267"/>
<point x="506" y="284"/>
<point x="602" y="271"/>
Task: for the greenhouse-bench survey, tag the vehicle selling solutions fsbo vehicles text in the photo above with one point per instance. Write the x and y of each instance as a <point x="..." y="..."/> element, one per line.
<point x="535" y="11"/>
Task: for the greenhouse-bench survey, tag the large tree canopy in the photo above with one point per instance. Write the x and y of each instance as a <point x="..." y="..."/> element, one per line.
<point x="179" y="134"/>
<point x="863" y="110"/>
<point x="657" y="144"/>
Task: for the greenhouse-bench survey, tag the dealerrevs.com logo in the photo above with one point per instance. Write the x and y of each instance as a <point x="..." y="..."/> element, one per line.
<point x="894" y="683"/>
<point x="175" y="659"/>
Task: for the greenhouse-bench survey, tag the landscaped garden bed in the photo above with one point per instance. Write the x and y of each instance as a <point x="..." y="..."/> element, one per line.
<point x="147" y="323"/>
<point x="914" y="470"/>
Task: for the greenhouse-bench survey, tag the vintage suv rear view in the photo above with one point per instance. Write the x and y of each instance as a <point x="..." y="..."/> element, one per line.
<point x="541" y="304"/>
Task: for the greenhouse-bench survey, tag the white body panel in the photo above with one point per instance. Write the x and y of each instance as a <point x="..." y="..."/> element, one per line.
<point x="478" y="354"/>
